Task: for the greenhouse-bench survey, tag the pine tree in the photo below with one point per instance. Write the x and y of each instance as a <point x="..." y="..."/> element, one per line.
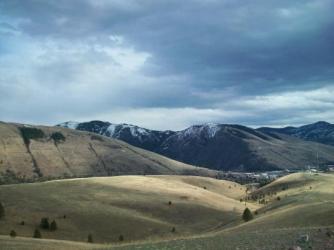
<point x="121" y="238"/>
<point x="53" y="226"/>
<point x="37" y="234"/>
<point x="2" y="211"/>
<point x="12" y="233"/>
<point x="44" y="223"/>
<point x="247" y="215"/>
<point x="90" y="238"/>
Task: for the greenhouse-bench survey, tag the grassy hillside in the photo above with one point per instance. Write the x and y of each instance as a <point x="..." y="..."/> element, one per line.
<point x="280" y="223"/>
<point x="305" y="207"/>
<point x="39" y="153"/>
<point x="137" y="207"/>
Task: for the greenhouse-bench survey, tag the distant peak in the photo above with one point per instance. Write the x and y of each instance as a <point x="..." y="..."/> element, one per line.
<point x="209" y="128"/>
<point x="69" y="124"/>
<point x="321" y="123"/>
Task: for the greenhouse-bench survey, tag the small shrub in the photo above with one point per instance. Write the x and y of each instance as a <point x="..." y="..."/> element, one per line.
<point x="22" y="223"/>
<point x="278" y="198"/>
<point x="96" y="138"/>
<point x="58" y="137"/>
<point x="90" y="238"/>
<point x="173" y="230"/>
<point x="53" y="226"/>
<point x="204" y="187"/>
<point x="247" y="215"/>
<point x="256" y="212"/>
<point x="12" y="233"/>
<point x="44" y="223"/>
<point x="169" y="203"/>
<point x="121" y="238"/>
<point x="37" y="234"/>
<point x="64" y="216"/>
<point x="2" y="211"/>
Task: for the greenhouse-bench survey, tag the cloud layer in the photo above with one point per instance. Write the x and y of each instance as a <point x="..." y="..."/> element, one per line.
<point x="167" y="64"/>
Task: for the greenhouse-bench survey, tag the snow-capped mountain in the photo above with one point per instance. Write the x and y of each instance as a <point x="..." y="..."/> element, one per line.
<point x="223" y="146"/>
<point x="207" y="130"/>
<point x="134" y="135"/>
<point x="321" y="131"/>
<point x="69" y="124"/>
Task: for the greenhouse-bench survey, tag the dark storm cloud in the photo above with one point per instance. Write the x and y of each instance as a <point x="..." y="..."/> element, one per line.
<point x="195" y="54"/>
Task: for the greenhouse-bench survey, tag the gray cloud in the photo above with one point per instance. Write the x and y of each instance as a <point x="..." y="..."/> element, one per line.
<point x="206" y="61"/>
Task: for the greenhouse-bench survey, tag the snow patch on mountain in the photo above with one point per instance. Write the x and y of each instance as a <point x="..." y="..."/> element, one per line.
<point x="69" y="124"/>
<point x="209" y="130"/>
<point x="114" y="130"/>
<point x="111" y="130"/>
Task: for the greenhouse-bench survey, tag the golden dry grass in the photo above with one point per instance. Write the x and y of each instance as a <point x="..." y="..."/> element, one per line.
<point x="279" y="224"/>
<point x="136" y="207"/>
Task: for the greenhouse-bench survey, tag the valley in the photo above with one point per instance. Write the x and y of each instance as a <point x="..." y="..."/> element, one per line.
<point x="68" y="189"/>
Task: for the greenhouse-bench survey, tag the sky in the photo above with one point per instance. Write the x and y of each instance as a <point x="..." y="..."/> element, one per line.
<point x="167" y="64"/>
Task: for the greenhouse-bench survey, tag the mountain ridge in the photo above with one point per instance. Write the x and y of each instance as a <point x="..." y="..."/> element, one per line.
<point x="221" y="146"/>
<point x="321" y="131"/>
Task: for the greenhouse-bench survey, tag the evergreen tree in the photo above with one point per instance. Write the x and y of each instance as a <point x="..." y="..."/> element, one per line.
<point x="53" y="226"/>
<point x="37" y="234"/>
<point x="2" y="211"/>
<point x="45" y="223"/>
<point x="121" y="238"/>
<point x="247" y="215"/>
<point x="12" y="233"/>
<point x="90" y="238"/>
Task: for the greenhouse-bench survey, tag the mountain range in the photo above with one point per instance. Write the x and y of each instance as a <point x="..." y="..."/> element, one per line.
<point x="322" y="132"/>
<point x="228" y="147"/>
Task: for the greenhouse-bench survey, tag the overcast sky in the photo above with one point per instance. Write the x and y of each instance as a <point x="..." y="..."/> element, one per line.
<point x="167" y="64"/>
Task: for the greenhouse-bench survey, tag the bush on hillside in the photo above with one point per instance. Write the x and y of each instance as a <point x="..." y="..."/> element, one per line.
<point x="2" y="211"/>
<point x="37" y="234"/>
<point x="44" y="223"/>
<point x="90" y="238"/>
<point x="31" y="133"/>
<point x="53" y="226"/>
<point x="58" y="137"/>
<point x="121" y="238"/>
<point x="247" y="215"/>
<point x="12" y="233"/>
<point x="96" y="138"/>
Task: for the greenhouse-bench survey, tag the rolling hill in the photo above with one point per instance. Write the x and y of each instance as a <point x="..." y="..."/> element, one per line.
<point x="29" y="153"/>
<point x="137" y="207"/>
<point x="305" y="208"/>
<point x="302" y="216"/>
<point x="220" y="146"/>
